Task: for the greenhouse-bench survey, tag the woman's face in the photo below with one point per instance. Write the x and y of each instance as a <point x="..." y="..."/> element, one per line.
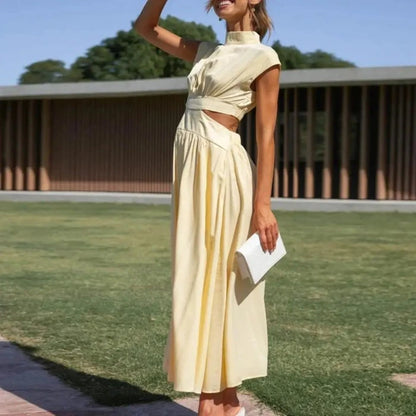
<point x="231" y="10"/>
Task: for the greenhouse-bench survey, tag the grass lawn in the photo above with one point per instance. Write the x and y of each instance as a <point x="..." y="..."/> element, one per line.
<point x="85" y="288"/>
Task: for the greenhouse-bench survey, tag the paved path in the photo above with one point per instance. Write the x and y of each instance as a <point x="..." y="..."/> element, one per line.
<point x="408" y="379"/>
<point x="27" y="389"/>
<point x="280" y="204"/>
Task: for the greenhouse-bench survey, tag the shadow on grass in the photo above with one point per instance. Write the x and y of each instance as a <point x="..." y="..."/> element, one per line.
<point x="23" y="374"/>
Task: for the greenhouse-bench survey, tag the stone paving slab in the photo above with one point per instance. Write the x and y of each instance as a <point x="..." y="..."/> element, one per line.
<point x="408" y="379"/>
<point x="28" y="389"/>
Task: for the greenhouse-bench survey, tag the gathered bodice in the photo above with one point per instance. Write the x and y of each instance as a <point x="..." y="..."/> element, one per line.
<point x="221" y="76"/>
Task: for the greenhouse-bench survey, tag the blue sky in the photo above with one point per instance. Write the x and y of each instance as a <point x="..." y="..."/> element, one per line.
<point x="366" y="32"/>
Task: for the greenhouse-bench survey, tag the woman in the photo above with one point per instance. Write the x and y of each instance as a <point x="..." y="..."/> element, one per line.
<point x="218" y="332"/>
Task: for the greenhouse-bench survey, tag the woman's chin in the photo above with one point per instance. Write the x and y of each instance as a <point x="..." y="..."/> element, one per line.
<point x="223" y="12"/>
<point x="224" y="16"/>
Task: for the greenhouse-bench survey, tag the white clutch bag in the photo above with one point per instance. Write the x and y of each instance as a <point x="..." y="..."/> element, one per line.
<point x="253" y="262"/>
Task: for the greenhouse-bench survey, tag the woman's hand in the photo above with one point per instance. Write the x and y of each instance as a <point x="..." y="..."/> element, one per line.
<point x="264" y="222"/>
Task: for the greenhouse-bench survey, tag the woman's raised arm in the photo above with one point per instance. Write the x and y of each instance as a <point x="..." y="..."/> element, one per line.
<point x="147" y="25"/>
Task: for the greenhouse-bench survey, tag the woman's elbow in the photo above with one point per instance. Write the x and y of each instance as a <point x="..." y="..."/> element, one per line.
<point x="142" y="27"/>
<point x="138" y="27"/>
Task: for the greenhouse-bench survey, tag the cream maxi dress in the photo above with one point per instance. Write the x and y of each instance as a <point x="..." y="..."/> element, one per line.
<point x="218" y="332"/>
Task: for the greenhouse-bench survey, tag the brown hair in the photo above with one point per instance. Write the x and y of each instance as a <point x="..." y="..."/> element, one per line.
<point x="261" y="20"/>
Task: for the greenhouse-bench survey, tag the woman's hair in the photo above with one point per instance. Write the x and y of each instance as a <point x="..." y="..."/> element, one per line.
<point x="261" y="19"/>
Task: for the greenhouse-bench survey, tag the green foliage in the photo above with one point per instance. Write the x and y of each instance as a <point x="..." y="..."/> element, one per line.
<point x="292" y="58"/>
<point x="125" y="56"/>
<point x="49" y="70"/>
<point x="128" y="55"/>
<point x="322" y="59"/>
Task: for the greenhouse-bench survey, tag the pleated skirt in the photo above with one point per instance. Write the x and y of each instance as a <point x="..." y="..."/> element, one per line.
<point x="218" y="331"/>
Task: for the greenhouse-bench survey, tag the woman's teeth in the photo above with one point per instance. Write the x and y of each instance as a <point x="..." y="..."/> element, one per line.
<point x="224" y="3"/>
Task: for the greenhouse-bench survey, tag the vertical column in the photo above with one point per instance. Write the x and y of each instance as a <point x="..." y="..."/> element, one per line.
<point x="362" y="173"/>
<point x="7" y="167"/>
<point x="399" y="153"/>
<point x="413" y="163"/>
<point x="2" y="128"/>
<point x="407" y="144"/>
<point x="345" y="130"/>
<point x="296" y="144"/>
<point x="31" y="160"/>
<point x="392" y="141"/>
<point x="309" y="171"/>
<point x="381" y="146"/>
<point x="44" y="181"/>
<point x="327" y="170"/>
<point x="286" y="146"/>
<point x="18" y="167"/>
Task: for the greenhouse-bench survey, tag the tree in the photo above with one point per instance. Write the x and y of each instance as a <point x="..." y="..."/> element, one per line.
<point x="322" y="59"/>
<point x="292" y="58"/>
<point x="129" y="56"/>
<point x="125" y="56"/>
<point x="49" y="70"/>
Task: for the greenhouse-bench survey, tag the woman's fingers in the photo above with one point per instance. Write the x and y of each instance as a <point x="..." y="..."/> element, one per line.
<point x="275" y="232"/>
<point x="268" y="238"/>
<point x="263" y="239"/>
<point x="271" y="238"/>
<point x="269" y="233"/>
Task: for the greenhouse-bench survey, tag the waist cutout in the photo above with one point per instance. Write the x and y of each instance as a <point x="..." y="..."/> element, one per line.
<point x="197" y="121"/>
<point x="214" y="104"/>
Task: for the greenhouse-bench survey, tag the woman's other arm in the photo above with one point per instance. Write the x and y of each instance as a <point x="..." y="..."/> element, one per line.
<point x="263" y="219"/>
<point x="147" y="25"/>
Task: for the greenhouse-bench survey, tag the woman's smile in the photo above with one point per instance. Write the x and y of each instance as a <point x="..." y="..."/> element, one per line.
<point x="224" y="3"/>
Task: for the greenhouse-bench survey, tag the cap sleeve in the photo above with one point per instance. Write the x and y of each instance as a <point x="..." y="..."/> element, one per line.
<point x="204" y="49"/>
<point x="267" y="59"/>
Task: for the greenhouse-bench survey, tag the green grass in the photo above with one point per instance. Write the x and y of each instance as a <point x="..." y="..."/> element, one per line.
<point x="85" y="289"/>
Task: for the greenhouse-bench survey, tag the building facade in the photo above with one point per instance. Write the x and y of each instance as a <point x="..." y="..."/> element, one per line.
<point x="341" y="133"/>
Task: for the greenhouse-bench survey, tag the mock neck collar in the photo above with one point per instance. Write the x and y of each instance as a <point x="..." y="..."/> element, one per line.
<point x="241" y="37"/>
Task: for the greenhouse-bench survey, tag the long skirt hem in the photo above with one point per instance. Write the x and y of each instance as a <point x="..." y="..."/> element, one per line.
<point x="197" y="391"/>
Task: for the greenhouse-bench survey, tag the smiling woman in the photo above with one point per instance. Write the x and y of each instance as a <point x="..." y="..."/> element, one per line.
<point x="218" y="334"/>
